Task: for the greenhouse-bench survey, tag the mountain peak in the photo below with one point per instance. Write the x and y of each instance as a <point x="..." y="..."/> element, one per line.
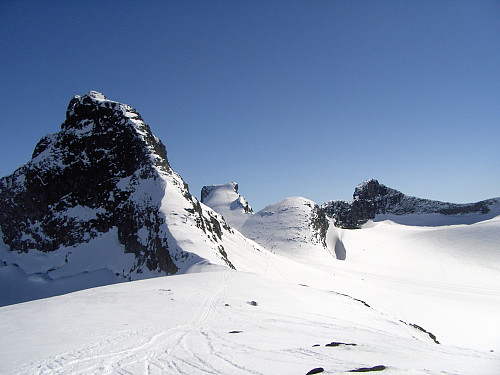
<point x="208" y="189"/>
<point x="370" y="189"/>
<point x="95" y="165"/>
<point x="105" y="177"/>
<point x="94" y="105"/>
<point x="95" y="95"/>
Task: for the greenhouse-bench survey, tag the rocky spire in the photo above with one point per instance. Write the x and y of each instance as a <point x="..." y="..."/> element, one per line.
<point x="87" y="179"/>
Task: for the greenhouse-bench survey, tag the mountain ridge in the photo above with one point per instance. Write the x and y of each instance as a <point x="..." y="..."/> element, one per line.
<point x="373" y="200"/>
<point x="99" y="202"/>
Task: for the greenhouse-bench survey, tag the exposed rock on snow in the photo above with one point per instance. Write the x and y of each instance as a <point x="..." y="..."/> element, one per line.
<point x="372" y="199"/>
<point x="85" y="180"/>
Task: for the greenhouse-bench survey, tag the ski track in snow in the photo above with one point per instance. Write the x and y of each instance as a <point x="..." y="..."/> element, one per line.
<point x="183" y="349"/>
<point x="285" y="332"/>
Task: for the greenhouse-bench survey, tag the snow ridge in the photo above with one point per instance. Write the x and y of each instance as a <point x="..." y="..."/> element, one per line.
<point x="295" y="223"/>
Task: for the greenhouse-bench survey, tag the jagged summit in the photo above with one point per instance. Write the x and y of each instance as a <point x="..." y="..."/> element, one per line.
<point x="372" y="200"/>
<point x="85" y="180"/>
<point x="369" y="186"/>
<point x="94" y="95"/>
<point x="105" y="177"/>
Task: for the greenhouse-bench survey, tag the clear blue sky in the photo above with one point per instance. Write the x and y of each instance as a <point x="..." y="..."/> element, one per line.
<point x="287" y="98"/>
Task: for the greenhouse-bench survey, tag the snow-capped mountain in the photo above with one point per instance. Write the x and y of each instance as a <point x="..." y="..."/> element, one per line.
<point x="100" y="197"/>
<point x="372" y="200"/>
<point x="289" y="225"/>
<point x="292" y="226"/>
<point x="99" y="203"/>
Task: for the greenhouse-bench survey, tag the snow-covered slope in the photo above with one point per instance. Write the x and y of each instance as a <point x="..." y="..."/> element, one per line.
<point x="220" y="322"/>
<point x="67" y="225"/>
<point x="446" y="278"/>
<point x="293" y="227"/>
<point x="439" y="276"/>
<point x="288" y="227"/>
<point x="99" y="203"/>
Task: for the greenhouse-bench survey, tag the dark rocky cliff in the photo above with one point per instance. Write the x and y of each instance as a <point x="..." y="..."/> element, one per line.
<point x="372" y="198"/>
<point x="100" y="171"/>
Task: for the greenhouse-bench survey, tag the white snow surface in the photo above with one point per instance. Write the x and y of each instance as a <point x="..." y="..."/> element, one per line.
<point x="445" y="279"/>
<point x="206" y="323"/>
<point x="283" y="227"/>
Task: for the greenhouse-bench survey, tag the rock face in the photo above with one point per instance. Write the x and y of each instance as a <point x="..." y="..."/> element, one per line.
<point x="372" y="198"/>
<point x="103" y="170"/>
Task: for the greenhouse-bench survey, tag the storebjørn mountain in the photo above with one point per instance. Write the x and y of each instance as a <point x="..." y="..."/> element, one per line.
<point x="100" y="197"/>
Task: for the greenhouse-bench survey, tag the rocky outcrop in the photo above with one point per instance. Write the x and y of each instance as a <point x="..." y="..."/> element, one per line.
<point x="372" y="198"/>
<point x="319" y="224"/>
<point x="84" y="180"/>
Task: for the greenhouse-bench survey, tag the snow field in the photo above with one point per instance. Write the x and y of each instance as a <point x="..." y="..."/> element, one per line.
<point x="182" y="325"/>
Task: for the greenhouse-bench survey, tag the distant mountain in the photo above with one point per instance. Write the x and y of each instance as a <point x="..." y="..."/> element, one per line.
<point x="374" y="201"/>
<point x="225" y="200"/>
<point x="290" y="225"/>
<point x="99" y="199"/>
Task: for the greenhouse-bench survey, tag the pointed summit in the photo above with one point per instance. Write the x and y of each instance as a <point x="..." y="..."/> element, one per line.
<point x="101" y="195"/>
<point x="85" y="180"/>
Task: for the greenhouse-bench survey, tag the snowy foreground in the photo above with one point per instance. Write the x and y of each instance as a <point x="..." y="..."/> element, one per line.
<point x="220" y="322"/>
<point x="293" y="311"/>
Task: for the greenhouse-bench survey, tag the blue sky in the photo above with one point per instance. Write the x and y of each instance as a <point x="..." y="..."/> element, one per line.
<point x="287" y="98"/>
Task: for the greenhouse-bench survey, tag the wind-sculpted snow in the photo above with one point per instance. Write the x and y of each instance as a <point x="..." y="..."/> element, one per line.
<point x="225" y="200"/>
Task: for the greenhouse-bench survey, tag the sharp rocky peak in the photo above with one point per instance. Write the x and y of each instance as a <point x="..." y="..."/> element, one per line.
<point x="96" y="165"/>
